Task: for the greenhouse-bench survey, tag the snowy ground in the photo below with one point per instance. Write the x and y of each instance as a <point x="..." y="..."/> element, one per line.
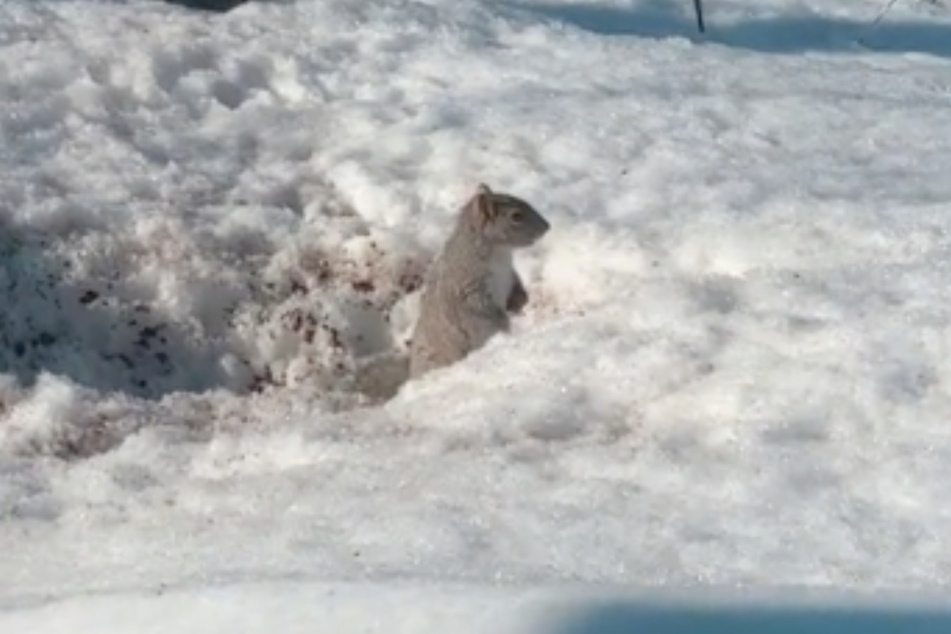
<point x="734" y="369"/>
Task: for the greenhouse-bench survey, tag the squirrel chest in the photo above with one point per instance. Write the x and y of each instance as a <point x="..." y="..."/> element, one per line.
<point x="501" y="276"/>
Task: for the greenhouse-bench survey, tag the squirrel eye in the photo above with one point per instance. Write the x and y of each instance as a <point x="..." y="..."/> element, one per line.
<point x="517" y="215"/>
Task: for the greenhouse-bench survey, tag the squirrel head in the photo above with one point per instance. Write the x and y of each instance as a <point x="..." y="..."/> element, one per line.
<point x="504" y="219"/>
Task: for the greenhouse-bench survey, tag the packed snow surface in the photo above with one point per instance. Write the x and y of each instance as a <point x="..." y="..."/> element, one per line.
<point x="734" y="368"/>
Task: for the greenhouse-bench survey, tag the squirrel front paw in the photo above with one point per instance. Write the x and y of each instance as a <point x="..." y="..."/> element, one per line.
<point x="517" y="300"/>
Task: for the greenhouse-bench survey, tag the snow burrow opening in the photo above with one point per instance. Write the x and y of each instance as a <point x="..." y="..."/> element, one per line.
<point x="168" y="304"/>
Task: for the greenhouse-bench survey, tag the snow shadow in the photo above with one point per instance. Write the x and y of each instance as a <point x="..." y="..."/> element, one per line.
<point x="86" y="330"/>
<point x="219" y="6"/>
<point x="622" y="618"/>
<point x="779" y="35"/>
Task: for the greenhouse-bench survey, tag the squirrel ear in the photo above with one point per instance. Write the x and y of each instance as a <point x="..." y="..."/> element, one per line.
<point x="480" y="209"/>
<point x="482" y="201"/>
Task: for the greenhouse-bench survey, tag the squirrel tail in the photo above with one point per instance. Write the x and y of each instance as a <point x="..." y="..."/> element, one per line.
<point x="380" y="377"/>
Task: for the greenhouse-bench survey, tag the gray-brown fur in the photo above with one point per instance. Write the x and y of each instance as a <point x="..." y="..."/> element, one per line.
<point x="472" y="286"/>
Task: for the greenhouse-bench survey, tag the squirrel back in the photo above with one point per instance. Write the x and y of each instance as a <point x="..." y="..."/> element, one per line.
<point x="472" y="285"/>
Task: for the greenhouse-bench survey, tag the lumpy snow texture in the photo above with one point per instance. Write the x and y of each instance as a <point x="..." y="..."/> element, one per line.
<point x="733" y="368"/>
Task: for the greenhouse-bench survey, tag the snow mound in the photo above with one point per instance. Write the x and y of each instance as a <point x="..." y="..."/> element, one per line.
<point x="733" y="369"/>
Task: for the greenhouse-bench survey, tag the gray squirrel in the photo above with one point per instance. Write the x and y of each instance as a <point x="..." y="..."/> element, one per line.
<point x="472" y="286"/>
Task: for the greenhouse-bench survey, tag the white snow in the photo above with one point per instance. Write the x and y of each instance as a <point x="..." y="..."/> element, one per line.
<point x="733" y="371"/>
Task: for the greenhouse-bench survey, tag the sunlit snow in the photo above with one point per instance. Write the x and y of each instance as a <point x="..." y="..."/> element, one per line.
<point x="734" y="369"/>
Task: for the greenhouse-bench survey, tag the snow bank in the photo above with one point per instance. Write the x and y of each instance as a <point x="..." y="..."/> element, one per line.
<point x="733" y="369"/>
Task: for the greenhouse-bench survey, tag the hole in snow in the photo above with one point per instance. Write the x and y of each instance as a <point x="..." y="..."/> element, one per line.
<point x="88" y="332"/>
<point x="229" y="94"/>
<point x="324" y="315"/>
